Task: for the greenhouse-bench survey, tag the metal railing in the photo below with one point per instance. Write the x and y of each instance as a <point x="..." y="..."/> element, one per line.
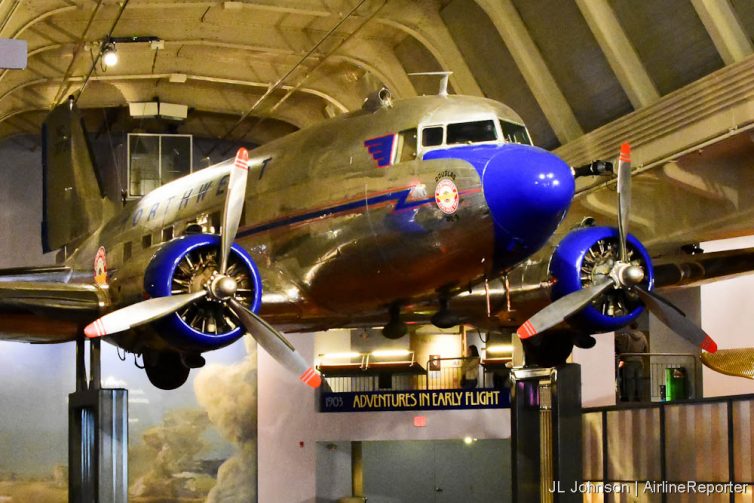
<point x="439" y="373"/>
<point x="654" y="384"/>
<point x="704" y="440"/>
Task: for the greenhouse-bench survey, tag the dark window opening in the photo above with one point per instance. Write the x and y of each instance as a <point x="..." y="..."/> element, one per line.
<point x="432" y="136"/>
<point x="167" y="234"/>
<point x="471" y="132"/>
<point x="146" y="241"/>
<point x="127" y="251"/>
<point x="514" y="133"/>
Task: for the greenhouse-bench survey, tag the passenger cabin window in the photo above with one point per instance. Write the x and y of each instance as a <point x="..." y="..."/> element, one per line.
<point x="432" y="136"/>
<point x="407" y="143"/>
<point x="514" y="133"/>
<point x="471" y="132"/>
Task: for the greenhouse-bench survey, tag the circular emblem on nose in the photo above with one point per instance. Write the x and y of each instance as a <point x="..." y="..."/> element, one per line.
<point x="446" y="196"/>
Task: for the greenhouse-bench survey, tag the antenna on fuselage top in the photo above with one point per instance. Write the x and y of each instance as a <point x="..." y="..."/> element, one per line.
<point x="443" y="81"/>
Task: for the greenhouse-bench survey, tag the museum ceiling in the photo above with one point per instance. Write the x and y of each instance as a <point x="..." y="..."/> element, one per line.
<point x="254" y="70"/>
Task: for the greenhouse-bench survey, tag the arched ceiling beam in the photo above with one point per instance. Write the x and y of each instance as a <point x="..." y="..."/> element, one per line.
<point x="530" y="62"/>
<point x="379" y="60"/>
<point x="301" y="7"/>
<point x="621" y="55"/>
<point x="295" y="115"/>
<point x="202" y="78"/>
<point x="41" y="17"/>
<point x="326" y="95"/>
<point x="429" y="29"/>
<point x="724" y="29"/>
<point x="369" y="50"/>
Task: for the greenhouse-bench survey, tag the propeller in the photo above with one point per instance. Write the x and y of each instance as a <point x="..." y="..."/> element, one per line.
<point x="221" y="288"/>
<point x="624" y="275"/>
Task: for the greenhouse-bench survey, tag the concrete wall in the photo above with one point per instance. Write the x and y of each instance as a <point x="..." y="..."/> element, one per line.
<point x="597" y="371"/>
<point x="21" y="200"/>
<point x="728" y="316"/>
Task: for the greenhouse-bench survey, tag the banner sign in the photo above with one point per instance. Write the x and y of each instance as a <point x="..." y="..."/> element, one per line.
<point x="435" y="399"/>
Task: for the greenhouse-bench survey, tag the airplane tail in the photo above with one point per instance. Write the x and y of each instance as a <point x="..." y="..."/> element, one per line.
<point x="74" y="202"/>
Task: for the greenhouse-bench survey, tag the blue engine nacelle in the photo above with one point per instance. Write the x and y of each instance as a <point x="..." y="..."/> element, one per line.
<point x="185" y="264"/>
<point x="586" y="254"/>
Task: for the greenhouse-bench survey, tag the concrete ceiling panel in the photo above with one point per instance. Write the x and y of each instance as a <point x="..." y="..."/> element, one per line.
<point x="494" y="67"/>
<point x="576" y="61"/>
<point x="670" y="40"/>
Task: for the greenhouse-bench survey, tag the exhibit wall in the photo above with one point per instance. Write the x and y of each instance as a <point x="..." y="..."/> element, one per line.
<point x="197" y="443"/>
<point x="727" y="314"/>
<point x="290" y="428"/>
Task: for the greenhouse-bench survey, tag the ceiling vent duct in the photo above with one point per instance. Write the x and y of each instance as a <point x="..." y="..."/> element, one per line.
<point x="172" y="111"/>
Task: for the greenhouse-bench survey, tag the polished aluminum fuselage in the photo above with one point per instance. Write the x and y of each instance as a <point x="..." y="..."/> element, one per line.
<point x="337" y="238"/>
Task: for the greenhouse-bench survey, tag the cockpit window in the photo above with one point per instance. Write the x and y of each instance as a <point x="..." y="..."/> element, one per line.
<point x="432" y="136"/>
<point x="406" y="145"/>
<point x="514" y="133"/>
<point x="471" y="132"/>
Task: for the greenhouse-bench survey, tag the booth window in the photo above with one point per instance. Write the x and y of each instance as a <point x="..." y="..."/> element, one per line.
<point x="514" y="133"/>
<point x="471" y="132"/>
<point x="156" y="159"/>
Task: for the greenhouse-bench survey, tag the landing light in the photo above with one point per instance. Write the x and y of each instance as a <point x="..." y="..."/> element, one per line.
<point x="340" y="356"/>
<point x="500" y="348"/>
<point x="382" y="353"/>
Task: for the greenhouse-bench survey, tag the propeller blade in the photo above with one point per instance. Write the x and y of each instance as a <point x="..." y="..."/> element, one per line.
<point x="233" y="204"/>
<point x="624" y="197"/>
<point x="139" y="314"/>
<point x="561" y="309"/>
<point x="676" y="320"/>
<point x="733" y="362"/>
<point x="275" y="344"/>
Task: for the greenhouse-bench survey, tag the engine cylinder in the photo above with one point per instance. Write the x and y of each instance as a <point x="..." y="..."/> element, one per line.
<point x="587" y="255"/>
<point x="189" y="264"/>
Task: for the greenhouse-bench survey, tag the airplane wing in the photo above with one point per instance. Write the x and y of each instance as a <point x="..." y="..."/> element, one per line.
<point x="41" y="305"/>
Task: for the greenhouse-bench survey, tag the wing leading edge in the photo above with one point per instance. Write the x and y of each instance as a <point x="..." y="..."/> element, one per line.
<point x="37" y="305"/>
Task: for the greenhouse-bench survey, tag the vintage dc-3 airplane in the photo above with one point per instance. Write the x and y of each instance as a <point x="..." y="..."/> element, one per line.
<point x="428" y="209"/>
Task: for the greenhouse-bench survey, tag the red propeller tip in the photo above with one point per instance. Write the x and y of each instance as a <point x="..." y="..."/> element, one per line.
<point x="709" y="345"/>
<point x="94" y="329"/>
<point x="311" y="378"/>
<point x="625" y="152"/>
<point x="526" y="330"/>
<point x="242" y="158"/>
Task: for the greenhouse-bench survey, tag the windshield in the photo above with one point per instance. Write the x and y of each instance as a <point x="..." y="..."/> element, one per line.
<point x="471" y="132"/>
<point x="514" y="133"/>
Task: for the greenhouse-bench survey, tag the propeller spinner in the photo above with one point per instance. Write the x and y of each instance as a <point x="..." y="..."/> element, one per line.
<point x="222" y="288"/>
<point x="623" y="275"/>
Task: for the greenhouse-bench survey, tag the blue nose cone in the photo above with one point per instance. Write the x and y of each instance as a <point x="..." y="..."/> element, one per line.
<point x="528" y="191"/>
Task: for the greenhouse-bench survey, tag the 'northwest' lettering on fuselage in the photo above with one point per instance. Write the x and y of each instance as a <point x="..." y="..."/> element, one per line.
<point x="194" y="195"/>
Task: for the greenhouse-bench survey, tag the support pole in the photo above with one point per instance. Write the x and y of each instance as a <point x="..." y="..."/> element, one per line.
<point x="546" y="434"/>
<point x="97" y="435"/>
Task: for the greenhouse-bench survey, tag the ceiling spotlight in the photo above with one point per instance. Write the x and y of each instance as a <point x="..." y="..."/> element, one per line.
<point x="109" y="54"/>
